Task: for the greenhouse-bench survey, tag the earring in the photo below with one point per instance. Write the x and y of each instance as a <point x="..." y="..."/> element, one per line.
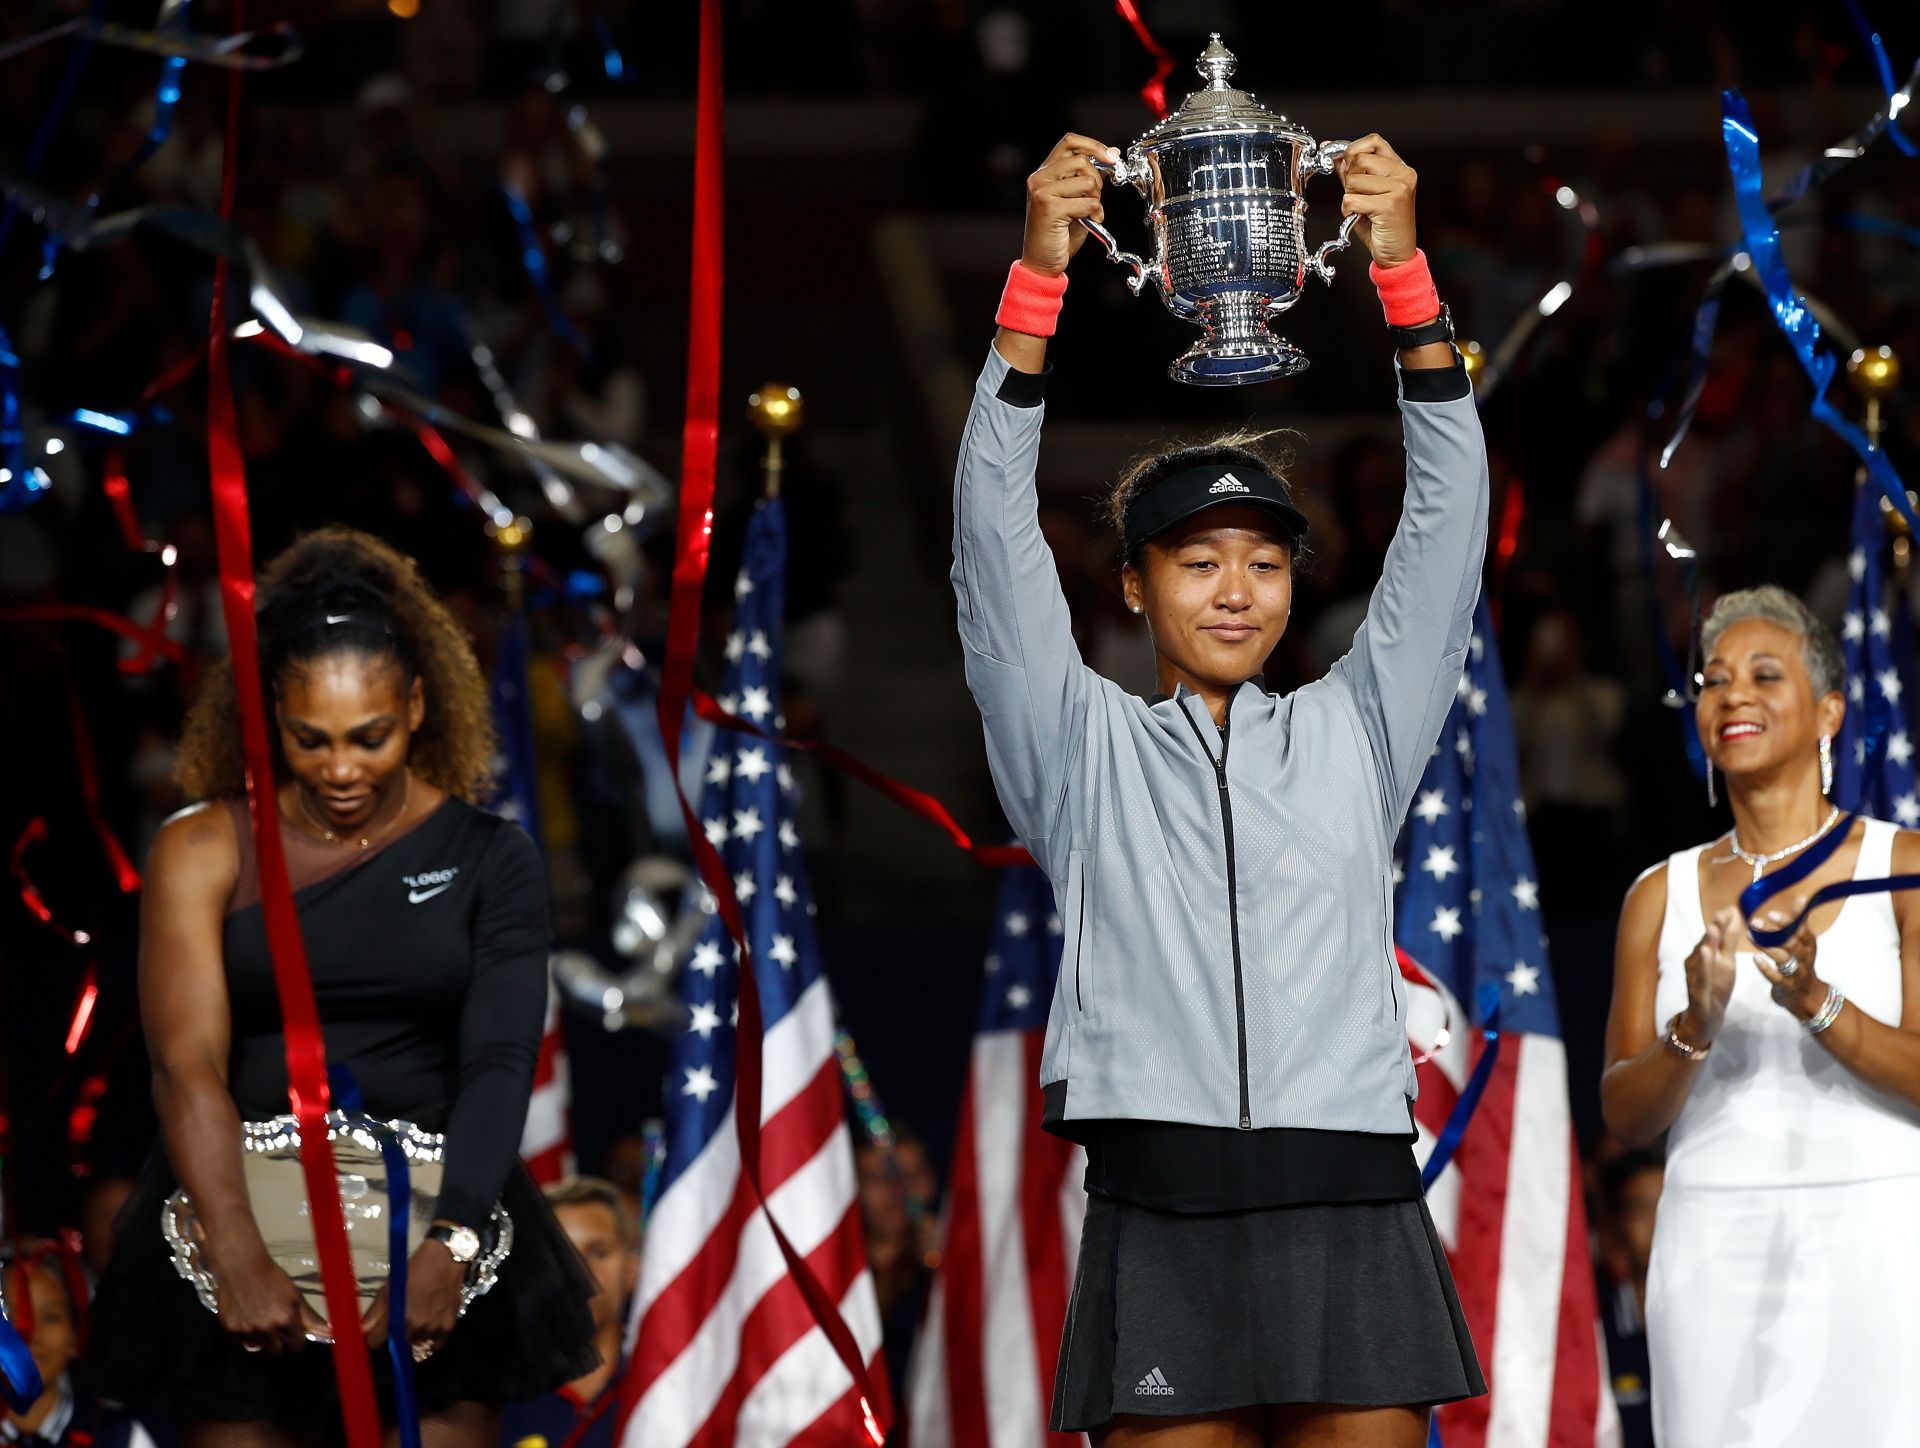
<point x="1712" y="799"/>
<point x="1826" y="764"/>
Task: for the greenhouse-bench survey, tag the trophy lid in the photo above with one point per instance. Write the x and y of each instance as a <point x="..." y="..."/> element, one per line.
<point x="1219" y="106"/>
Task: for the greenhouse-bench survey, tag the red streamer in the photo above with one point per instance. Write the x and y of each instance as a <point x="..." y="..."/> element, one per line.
<point x="30" y="896"/>
<point x="1154" y="92"/>
<point x="148" y="638"/>
<point x="82" y="1020"/>
<point x="306" y="1048"/>
<point x="693" y="544"/>
<point x="915" y="801"/>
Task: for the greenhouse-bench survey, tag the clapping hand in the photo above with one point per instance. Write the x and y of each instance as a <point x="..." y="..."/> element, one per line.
<point x="1796" y="984"/>
<point x="1710" y="979"/>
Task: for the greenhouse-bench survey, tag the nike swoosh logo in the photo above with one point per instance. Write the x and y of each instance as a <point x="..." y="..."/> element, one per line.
<point x="414" y="897"/>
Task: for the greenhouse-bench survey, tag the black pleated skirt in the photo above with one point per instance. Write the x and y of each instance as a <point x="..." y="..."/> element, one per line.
<point x="1176" y="1314"/>
<point x="152" y="1345"/>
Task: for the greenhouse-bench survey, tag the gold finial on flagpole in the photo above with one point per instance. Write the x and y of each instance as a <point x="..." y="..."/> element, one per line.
<point x="776" y="411"/>
<point x="511" y="540"/>
<point x="1875" y="373"/>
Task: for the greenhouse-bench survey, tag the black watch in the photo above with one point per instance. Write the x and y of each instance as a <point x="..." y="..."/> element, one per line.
<point x="1440" y="329"/>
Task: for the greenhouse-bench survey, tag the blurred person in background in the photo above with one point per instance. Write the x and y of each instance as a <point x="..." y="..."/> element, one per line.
<point x="1780" y="1306"/>
<point x="898" y="1194"/>
<point x="41" y="1306"/>
<point x="1628" y="1195"/>
<point x="595" y="1217"/>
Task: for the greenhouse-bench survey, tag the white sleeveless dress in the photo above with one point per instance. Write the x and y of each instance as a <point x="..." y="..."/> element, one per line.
<point x="1783" y="1297"/>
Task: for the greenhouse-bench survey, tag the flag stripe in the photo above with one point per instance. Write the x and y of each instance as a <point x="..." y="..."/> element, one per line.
<point x="964" y="1275"/>
<point x="795" y="1047"/>
<point x="1577" y="1381"/>
<point x="790" y="1144"/>
<point x="1001" y="1089"/>
<point x="810" y="1384"/>
<point x="779" y="1320"/>
<point x="1045" y="1164"/>
<point x="678" y="1399"/>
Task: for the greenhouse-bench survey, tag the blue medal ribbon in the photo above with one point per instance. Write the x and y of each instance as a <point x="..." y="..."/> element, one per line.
<point x="406" y="1399"/>
<point x="1488" y="998"/>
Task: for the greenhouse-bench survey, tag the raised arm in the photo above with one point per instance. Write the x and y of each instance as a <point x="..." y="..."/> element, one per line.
<point x="1407" y="657"/>
<point x="189" y="1026"/>
<point x="1022" y="664"/>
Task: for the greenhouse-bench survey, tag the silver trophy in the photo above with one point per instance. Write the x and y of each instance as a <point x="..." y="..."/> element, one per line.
<point x="1223" y="177"/>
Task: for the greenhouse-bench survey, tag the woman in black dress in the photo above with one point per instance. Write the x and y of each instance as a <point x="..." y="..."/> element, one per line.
<point x="425" y="921"/>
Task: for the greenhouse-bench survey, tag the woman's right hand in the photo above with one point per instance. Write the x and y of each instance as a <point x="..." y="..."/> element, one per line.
<point x="260" y="1305"/>
<point x="1060" y="195"/>
<point x="1710" y="971"/>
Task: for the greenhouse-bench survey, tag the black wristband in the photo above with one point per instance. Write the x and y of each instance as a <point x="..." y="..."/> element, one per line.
<point x="1440" y="329"/>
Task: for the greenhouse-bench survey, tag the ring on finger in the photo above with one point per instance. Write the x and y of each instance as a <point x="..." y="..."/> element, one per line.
<point x="424" y="1350"/>
<point x="1790" y="966"/>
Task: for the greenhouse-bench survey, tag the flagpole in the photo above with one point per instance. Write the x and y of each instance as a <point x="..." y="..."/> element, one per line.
<point x="511" y="540"/>
<point x="1875" y="374"/>
<point x="776" y="412"/>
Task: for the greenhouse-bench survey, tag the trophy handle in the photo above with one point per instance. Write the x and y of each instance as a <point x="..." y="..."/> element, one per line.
<point x="1318" y="161"/>
<point x="1119" y="175"/>
<point x="1318" y="263"/>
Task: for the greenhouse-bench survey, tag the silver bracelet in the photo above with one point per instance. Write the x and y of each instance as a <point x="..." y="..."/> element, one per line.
<point x="1828" y="1013"/>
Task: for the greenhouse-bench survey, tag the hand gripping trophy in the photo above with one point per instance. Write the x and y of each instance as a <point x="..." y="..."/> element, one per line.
<point x="1223" y="178"/>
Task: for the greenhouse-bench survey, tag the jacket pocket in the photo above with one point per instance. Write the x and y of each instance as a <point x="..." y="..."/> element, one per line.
<point x="1073" y="926"/>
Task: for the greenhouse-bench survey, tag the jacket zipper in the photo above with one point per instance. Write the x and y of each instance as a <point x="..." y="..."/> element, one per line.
<point x="1233" y="902"/>
<point x="1080" y="942"/>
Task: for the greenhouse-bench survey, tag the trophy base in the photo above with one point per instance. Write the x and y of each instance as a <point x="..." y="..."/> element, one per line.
<point x="1236" y="364"/>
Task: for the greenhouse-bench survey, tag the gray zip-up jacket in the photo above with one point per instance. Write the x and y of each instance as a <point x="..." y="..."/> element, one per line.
<point x="1226" y="896"/>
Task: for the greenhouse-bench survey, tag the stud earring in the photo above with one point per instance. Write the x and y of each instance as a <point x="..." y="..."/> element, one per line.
<point x="1826" y="764"/>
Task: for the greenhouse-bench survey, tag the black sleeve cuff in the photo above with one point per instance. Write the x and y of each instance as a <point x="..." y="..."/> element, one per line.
<point x="1435" y="384"/>
<point x="1024" y="389"/>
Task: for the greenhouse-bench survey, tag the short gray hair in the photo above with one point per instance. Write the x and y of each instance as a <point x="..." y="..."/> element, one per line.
<point x="1772" y="604"/>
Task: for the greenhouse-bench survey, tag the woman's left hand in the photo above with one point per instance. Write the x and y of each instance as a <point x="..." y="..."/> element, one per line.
<point x="1796" y="983"/>
<point x="1379" y="190"/>
<point x="434" y="1280"/>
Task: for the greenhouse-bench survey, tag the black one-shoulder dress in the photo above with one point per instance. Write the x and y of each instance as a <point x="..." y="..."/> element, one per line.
<point x="429" y="962"/>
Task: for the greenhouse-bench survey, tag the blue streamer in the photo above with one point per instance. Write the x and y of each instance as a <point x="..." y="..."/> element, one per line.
<point x="1488" y="998"/>
<point x="534" y="259"/>
<point x="1790" y="313"/>
<point x="20" y="1381"/>
<point x="612" y="61"/>
<point x="406" y="1399"/>
<point x="1679" y="680"/>
<point x="1885" y="67"/>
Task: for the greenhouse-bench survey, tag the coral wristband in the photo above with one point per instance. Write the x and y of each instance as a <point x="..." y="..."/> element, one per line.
<point x="1031" y="302"/>
<point x="1407" y="292"/>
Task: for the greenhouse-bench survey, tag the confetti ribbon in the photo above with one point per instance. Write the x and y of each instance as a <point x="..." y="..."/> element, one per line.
<point x="533" y="258"/>
<point x="406" y="1398"/>
<point x="1154" y="92"/>
<point x="305" y="1047"/>
<point x="693" y="545"/>
<point x="36" y="833"/>
<point x="267" y="49"/>
<point x="1896" y="100"/>
<point x="19" y="1375"/>
<point x="913" y="800"/>
<point x="866" y="1101"/>
<point x="1488" y="998"/>
<point x="1790" y="312"/>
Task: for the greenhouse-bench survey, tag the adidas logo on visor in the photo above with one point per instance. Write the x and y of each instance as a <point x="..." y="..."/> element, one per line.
<point x="1154" y="1385"/>
<point x="1229" y="484"/>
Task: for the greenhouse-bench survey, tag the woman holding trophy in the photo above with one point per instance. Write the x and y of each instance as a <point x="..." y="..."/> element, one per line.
<point x="1227" y="1034"/>
<point x="426" y="933"/>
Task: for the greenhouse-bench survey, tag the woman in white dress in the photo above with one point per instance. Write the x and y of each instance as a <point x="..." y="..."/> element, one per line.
<point x="1783" y="1299"/>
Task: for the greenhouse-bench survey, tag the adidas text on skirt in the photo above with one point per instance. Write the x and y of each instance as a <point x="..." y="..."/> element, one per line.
<point x="1176" y="1314"/>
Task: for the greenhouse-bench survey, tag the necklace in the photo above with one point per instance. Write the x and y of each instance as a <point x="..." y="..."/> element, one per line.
<point x="1760" y="862"/>
<point x="366" y="841"/>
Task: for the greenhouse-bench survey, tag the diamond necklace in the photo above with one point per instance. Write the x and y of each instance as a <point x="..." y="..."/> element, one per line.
<point x="1760" y="862"/>
<point x="366" y="841"/>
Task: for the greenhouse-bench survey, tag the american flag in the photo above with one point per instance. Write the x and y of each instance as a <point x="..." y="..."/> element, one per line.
<point x="546" y="1141"/>
<point x="1878" y="645"/>
<point x="1509" y="1205"/>
<point x="982" y="1370"/>
<point x="722" y="1348"/>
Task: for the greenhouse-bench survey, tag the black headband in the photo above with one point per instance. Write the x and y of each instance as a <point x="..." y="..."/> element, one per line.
<point x="1178" y="496"/>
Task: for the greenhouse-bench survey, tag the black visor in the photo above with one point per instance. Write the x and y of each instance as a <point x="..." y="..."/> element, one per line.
<point x="1178" y="496"/>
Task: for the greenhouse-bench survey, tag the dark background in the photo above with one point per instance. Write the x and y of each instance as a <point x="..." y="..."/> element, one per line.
<point x="876" y="151"/>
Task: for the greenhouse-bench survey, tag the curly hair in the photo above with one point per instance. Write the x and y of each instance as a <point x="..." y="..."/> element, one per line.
<point x="337" y="591"/>
<point x="1242" y="448"/>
